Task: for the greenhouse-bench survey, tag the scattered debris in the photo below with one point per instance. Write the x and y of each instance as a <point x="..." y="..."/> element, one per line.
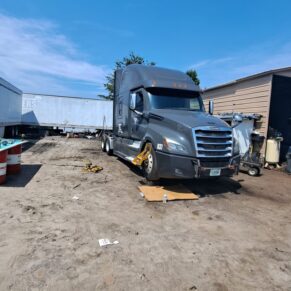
<point x="105" y="241"/>
<point x="167" y="193"/>
<point x="75" y="197"/>
<point x="280" y="251"/>
<point x="89" y="168"/>
<point x="30" y="209"/>
<point x="76" y="186"/>
<point x="165" y="198"/>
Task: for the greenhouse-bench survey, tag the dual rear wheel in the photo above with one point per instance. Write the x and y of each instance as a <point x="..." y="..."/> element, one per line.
<point x="105" y="146"/>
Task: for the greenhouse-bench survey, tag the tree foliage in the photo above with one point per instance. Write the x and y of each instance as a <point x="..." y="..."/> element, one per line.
<point x="121" y="64"/>
<point x="194" y="76"/>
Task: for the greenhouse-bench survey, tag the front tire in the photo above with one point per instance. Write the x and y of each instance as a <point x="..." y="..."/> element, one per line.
<point x="150" y="166"/>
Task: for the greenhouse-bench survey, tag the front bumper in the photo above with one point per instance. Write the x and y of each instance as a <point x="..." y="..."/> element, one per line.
<point x="180" y="167"/>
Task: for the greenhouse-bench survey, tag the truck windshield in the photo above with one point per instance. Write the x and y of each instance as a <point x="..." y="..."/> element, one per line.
<point x="176" y="100"/>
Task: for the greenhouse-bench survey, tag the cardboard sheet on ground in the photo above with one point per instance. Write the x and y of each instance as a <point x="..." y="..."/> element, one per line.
<point x="176" y="192"/>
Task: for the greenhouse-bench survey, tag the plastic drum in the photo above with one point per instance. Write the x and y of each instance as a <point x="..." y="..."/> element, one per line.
<point x="14" y="160"/>
<point x="3" y="166"/>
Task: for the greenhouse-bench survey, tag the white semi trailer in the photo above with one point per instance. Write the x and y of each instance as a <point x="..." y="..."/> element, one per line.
<point x="66" y="112"/>
<point x="10" y="105"/>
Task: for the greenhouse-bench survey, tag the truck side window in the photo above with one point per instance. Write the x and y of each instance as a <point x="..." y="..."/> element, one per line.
<point x="139" y="102"/>
<point x="195" y="104"/>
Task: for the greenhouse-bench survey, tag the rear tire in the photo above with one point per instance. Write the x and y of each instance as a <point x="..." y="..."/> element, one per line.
<point x="253" y="171"/>
<point x="103" y="145"/>
<point x="150" y="166"/>
<point x="107" y="148"/>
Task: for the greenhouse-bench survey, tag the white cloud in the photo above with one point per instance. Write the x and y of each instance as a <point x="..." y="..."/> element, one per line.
<point x="209" y="62"/>
<point x="34" y="57"/>
<point x="243" y="63"/>
<point x="200" y="64"/>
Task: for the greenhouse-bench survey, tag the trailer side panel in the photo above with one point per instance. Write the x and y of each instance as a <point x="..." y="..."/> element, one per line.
<point x="62" y="111"/>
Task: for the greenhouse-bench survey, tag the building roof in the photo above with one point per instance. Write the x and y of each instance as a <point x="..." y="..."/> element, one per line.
<point x="262" y="74"/>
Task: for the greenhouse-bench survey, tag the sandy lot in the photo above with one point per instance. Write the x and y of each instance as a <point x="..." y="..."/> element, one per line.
<point x="237" y="236"/>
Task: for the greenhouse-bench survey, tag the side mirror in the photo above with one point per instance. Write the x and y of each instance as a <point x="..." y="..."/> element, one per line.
<point x="211" y="107"/>
<point x="132" y="103"/>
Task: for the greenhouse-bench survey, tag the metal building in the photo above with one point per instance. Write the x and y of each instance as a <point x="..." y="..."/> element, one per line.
<point x="267" y="93"/>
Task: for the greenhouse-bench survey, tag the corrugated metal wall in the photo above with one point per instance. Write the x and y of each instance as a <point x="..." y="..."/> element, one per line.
<point x="248" y="96"/>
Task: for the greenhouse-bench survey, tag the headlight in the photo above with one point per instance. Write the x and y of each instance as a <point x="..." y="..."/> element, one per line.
<point x="236" y="149"/>
<point x="173" y="146"/>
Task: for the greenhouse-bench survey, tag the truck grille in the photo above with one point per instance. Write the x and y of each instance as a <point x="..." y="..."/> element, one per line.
<point x="213" y="142"/>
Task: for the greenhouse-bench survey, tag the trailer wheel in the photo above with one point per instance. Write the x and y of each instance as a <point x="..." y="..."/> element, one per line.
<point x="107" y="148"/>
<point x="103" y="148"/>
<point x="253" y="171"/>
<point x="150" y="167"/>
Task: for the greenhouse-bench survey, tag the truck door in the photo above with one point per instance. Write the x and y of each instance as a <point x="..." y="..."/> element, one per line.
<point x="138" y="124"/>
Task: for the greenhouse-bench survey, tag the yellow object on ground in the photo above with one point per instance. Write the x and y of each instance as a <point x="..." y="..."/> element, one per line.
<point x="141" y="157"/>
<point x="176" y="192"/>
<point x="89" y="168"/>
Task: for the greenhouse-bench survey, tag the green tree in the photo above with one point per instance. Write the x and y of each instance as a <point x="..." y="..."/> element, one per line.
<point x="194" y="76"/>
<point x="128" y="60"/>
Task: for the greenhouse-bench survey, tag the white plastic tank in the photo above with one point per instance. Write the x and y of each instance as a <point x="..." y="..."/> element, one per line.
<point x="273" y="151"/>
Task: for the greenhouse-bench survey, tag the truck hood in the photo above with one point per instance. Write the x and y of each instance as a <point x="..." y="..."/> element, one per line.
<point x="189" y="119"/>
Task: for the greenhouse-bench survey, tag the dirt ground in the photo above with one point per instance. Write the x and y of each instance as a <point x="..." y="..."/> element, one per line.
<point x="237" y="236"/>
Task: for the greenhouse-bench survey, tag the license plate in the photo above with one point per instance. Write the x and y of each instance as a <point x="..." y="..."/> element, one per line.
<point x="215" y="172"/>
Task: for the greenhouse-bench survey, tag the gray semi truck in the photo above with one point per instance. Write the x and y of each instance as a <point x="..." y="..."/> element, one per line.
<point x="161" y="111"/>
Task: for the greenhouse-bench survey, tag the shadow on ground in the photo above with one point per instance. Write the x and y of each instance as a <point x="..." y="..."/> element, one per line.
<point x="26" y="146"/>
<point x="206" y="187"/>
<point x="202" y="187"/>
<point x="24" y="177"/>
<point x="136" y="170"/>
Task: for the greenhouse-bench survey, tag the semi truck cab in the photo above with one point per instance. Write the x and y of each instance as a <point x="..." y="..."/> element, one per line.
<point x="163" y="109"/>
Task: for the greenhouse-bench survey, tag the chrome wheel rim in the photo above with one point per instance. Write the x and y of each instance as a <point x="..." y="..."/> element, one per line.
<point x="149" y="164"/>
<point x="102" y="144"/>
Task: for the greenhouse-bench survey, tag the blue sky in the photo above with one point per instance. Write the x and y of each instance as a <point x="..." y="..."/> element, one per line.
<point x="68" y="47"/>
